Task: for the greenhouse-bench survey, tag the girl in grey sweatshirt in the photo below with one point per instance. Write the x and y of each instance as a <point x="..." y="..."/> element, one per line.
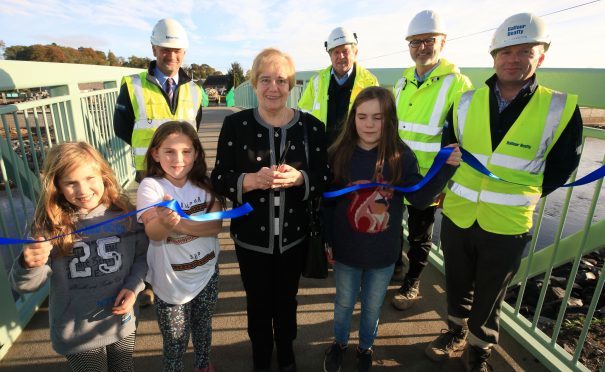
<point x="95" y="275"/>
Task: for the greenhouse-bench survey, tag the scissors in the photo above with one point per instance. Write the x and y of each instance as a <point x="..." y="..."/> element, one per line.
<point x="282" y="158"/>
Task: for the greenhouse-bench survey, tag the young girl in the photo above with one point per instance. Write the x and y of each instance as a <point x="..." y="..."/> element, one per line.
<point x="182" y="254"/>
<point x="95" y="275"/>
<point x="363" y="226"/>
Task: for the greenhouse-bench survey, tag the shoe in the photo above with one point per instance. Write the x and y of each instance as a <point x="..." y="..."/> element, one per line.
<point x="398" y="275"/>
<point x="450" y="341"/>
<point x="146" y="297"/>
<point x="364" y="360"/>
<point x="475" y="359"/>
<point x="333" y="357"/>
<point x="407" y="295"/>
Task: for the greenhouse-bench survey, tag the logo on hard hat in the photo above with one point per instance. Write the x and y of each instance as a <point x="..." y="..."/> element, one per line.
<point x="515" y="30"/>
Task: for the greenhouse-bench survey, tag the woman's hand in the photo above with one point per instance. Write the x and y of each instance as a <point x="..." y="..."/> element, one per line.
<point x="36" y="254"/>
<point x="455" y="156"/>
<point x="124" y="302"/>
<point x="287" y="176"/>
<point x="261" y="180"/>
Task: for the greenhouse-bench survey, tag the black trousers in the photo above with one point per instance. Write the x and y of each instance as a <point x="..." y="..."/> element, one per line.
<point x="271" y="284"/>
<point x="479" y="266"/>
<point x="420" y="238"/>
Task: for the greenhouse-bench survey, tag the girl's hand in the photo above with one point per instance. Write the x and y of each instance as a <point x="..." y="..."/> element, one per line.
<point x="36" y="254"/>
<point x="124" y="302"/>
<point x="166" y="216"/>
<point x="261" y="180"/>
<point x="287" y="176"/>
<point x="455" y="156"/>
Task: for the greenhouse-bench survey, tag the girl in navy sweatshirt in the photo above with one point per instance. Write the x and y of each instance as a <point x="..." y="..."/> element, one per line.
<point x="363" y="226"/>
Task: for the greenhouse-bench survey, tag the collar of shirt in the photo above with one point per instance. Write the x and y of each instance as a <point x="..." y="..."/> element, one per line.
<point x="421" y="79"/>
<point x="344" y="78"/>
<point x="502" y="103"/>
<point x="162" y="78"/>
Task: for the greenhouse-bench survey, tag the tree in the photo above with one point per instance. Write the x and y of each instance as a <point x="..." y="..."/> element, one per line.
<point x="2" y="48"/>
<point x="236" y="75"/>
<point x="137" y="62"/>
<point x="112" y="60"/>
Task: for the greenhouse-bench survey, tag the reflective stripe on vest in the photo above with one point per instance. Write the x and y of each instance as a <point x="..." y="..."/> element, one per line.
<point x="465" y="101"/>
<point x="514" y="200"/>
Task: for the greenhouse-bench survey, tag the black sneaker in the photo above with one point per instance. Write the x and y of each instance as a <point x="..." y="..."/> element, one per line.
<point x="450" y="341"/>
<point x="364" y="360"/>
<point x="475" y="359"/>
<point x="333" y="357"/>
<point x="407" y="294"/>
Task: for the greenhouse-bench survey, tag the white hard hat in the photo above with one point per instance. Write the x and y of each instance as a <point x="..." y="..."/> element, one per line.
<point x="522" y="28"/>
<point x="340" y="36"/>
<point x="426" y="22"/>
<point x="168" y="33"/>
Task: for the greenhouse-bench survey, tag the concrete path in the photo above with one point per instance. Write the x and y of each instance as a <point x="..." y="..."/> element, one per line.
<point x="402" y="336"/>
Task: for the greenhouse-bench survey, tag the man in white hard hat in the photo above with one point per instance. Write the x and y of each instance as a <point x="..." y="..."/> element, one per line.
<point x="162" y="93"/>
<point x="526" y="134"/>
<point x="424" y="96"/>
<point x="330" y="94"/>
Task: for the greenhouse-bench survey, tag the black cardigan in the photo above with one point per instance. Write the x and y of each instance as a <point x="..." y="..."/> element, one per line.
<point x="245" y="145"/>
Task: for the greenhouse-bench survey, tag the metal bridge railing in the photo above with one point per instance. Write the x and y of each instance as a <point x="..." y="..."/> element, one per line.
<point x="28" y="129"/>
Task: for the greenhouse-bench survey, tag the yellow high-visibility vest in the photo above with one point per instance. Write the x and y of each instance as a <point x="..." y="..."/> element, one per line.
<point x="502" y="207"/>
<point x="422" y="110"/>
<point x="315" y="97"/>
<point x="151" y="110"/>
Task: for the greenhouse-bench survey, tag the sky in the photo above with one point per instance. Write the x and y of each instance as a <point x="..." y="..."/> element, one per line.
<point x="223" y="32"/>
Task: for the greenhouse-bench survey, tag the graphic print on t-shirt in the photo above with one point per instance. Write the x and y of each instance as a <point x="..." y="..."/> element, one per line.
<point x="369" y="208"/>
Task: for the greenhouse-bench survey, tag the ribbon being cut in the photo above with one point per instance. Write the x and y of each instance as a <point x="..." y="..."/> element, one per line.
<point x="469" y="159"/>
<point x="172" y="204"/>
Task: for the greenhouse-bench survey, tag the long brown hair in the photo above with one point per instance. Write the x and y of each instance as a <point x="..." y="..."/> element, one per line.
<point x="54" y="215"/>
<point x="198" y="175"/>
<point x="390" y="145"/>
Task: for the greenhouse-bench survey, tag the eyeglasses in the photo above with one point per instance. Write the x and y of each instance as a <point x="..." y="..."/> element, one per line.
<point x="266" y="81"/>
<point x="429" y="41"/>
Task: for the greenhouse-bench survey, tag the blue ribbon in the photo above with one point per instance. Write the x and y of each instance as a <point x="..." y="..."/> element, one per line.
<point x="438" y="163"/>
<point x="172" y="204"/>
<point x="473" y="162"/>
<point x="470" y="160"/>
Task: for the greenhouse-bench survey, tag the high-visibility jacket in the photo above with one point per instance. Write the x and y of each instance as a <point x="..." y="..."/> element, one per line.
<point x="315" y="97"/>
<point x="503" y="207"/>
<point x="151" y="110"/>
<point x="422" y="110"/>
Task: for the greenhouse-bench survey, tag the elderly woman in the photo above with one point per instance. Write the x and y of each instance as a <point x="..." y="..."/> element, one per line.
<point x="274" y="158"/>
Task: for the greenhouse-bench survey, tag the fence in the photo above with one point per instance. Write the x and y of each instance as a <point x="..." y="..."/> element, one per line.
<point x="530" y="329"/>
<point x="28" y="130"/>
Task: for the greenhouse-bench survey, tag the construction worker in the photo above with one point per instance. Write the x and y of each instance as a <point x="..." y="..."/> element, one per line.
<point x="330" y="94"/>
<point x="162" y="93"/>
<point x="525" y="134"/>
<point x="424" y="96"/>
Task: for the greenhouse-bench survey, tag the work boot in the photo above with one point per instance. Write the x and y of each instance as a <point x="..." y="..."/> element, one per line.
<point x="475" y="359"/>
<point x="333" y="357"/>
<point x="398" y="275"/>
<point x="364" y="360"/>
<point x="407" y="294"/>
<point x="450" y="341"/>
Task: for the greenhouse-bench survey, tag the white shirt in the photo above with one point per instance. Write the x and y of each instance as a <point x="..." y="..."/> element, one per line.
<point x="181" y="265"/>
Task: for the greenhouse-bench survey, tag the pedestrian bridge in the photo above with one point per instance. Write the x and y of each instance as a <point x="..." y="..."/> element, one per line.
<point x="539" y="332"/>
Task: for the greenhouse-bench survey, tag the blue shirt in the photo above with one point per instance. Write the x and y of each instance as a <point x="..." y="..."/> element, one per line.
<point x="344" y="77"/>
<point x="162" y="79"/>
<point x="422" y="78"/>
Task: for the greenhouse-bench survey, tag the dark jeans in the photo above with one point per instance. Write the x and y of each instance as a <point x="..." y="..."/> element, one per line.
<point x="271" y="284"/>
<point x="479" y="266"/>
<point x="420" y="238"/>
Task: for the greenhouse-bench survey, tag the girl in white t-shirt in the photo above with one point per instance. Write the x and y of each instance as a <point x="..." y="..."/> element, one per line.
<point x="182" y="254"/>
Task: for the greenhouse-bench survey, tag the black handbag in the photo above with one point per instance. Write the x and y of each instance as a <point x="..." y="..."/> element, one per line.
<point x="316" y="262"/>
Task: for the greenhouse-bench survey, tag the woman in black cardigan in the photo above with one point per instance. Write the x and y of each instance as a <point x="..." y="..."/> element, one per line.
<point x="262" y="159"/>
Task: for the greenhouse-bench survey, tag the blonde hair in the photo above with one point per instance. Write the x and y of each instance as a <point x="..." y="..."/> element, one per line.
<point x="272" y="57"/>
<point x="54" y="215"/>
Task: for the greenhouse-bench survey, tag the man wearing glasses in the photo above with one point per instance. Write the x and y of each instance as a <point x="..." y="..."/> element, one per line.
<point x="424" y="96"/>
<point x="330" y="94"/>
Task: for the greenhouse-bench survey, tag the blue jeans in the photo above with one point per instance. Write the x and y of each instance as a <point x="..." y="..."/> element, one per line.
<point x="373" y="284"/>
